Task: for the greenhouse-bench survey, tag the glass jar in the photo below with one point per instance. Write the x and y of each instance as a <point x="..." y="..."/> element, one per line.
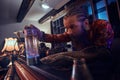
<point x="31" y="46"/>
<point x="80" y="70"/>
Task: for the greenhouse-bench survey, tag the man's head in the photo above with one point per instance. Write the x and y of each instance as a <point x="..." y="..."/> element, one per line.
<point x="76" y="21"/>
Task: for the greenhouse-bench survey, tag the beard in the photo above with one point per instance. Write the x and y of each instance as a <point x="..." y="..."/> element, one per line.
<point x="80" y="36"/>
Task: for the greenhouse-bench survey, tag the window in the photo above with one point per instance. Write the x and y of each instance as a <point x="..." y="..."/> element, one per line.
<point x="103" y="15"/>
<point x="100" y="4"/>
<point x="89" y="10"/>
<point x="110" y="1"/>
<point x="101" y="10"/>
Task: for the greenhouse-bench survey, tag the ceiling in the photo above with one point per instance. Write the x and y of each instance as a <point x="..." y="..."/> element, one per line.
<point x="10" y="8"/>
<point x="36" y="11"/>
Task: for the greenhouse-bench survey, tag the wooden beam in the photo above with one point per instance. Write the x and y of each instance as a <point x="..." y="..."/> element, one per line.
<point x="53" y="12"/>
<point x="26" y="73"/>
<point x="24" y="8"/>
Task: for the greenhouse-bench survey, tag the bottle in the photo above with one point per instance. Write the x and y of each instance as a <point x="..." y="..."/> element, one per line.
<point x="31" y="46"/>
<point x="80" y="70"/>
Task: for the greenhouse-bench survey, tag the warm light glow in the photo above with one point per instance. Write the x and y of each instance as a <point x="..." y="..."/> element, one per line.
<point x="10" y="45"/>
<point x="45" y="6"/>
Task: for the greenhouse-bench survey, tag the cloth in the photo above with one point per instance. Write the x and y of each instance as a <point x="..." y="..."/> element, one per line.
<point x="97" y="59"/>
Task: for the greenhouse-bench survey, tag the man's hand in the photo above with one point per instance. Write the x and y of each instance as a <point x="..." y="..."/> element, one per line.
<point x="32" y="30"/>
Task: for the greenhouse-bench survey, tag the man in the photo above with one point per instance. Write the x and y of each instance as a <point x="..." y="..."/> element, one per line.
<point x="79" y="31"/>
<point x="43" y="50"/>
<point x="83" y="36"/>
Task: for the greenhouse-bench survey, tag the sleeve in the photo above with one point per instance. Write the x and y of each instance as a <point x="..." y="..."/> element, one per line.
<point x="64" y="37"/>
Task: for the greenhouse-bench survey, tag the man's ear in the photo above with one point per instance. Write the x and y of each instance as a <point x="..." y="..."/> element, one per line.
<point x="86" y="24"/>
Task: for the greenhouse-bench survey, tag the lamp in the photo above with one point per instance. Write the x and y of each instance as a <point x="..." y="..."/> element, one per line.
<point x="11" y="47"/>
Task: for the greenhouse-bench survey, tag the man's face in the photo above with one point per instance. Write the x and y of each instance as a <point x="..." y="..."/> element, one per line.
<point x="73" y="26"/>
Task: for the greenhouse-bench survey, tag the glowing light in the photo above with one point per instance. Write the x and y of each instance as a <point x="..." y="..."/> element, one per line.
<point x="45" y="6"/>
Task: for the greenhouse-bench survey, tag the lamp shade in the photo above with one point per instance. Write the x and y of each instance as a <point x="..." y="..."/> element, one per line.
<point x="11" y="44"/>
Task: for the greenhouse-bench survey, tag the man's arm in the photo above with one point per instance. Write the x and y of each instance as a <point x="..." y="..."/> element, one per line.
<point x="64" y="37"/>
